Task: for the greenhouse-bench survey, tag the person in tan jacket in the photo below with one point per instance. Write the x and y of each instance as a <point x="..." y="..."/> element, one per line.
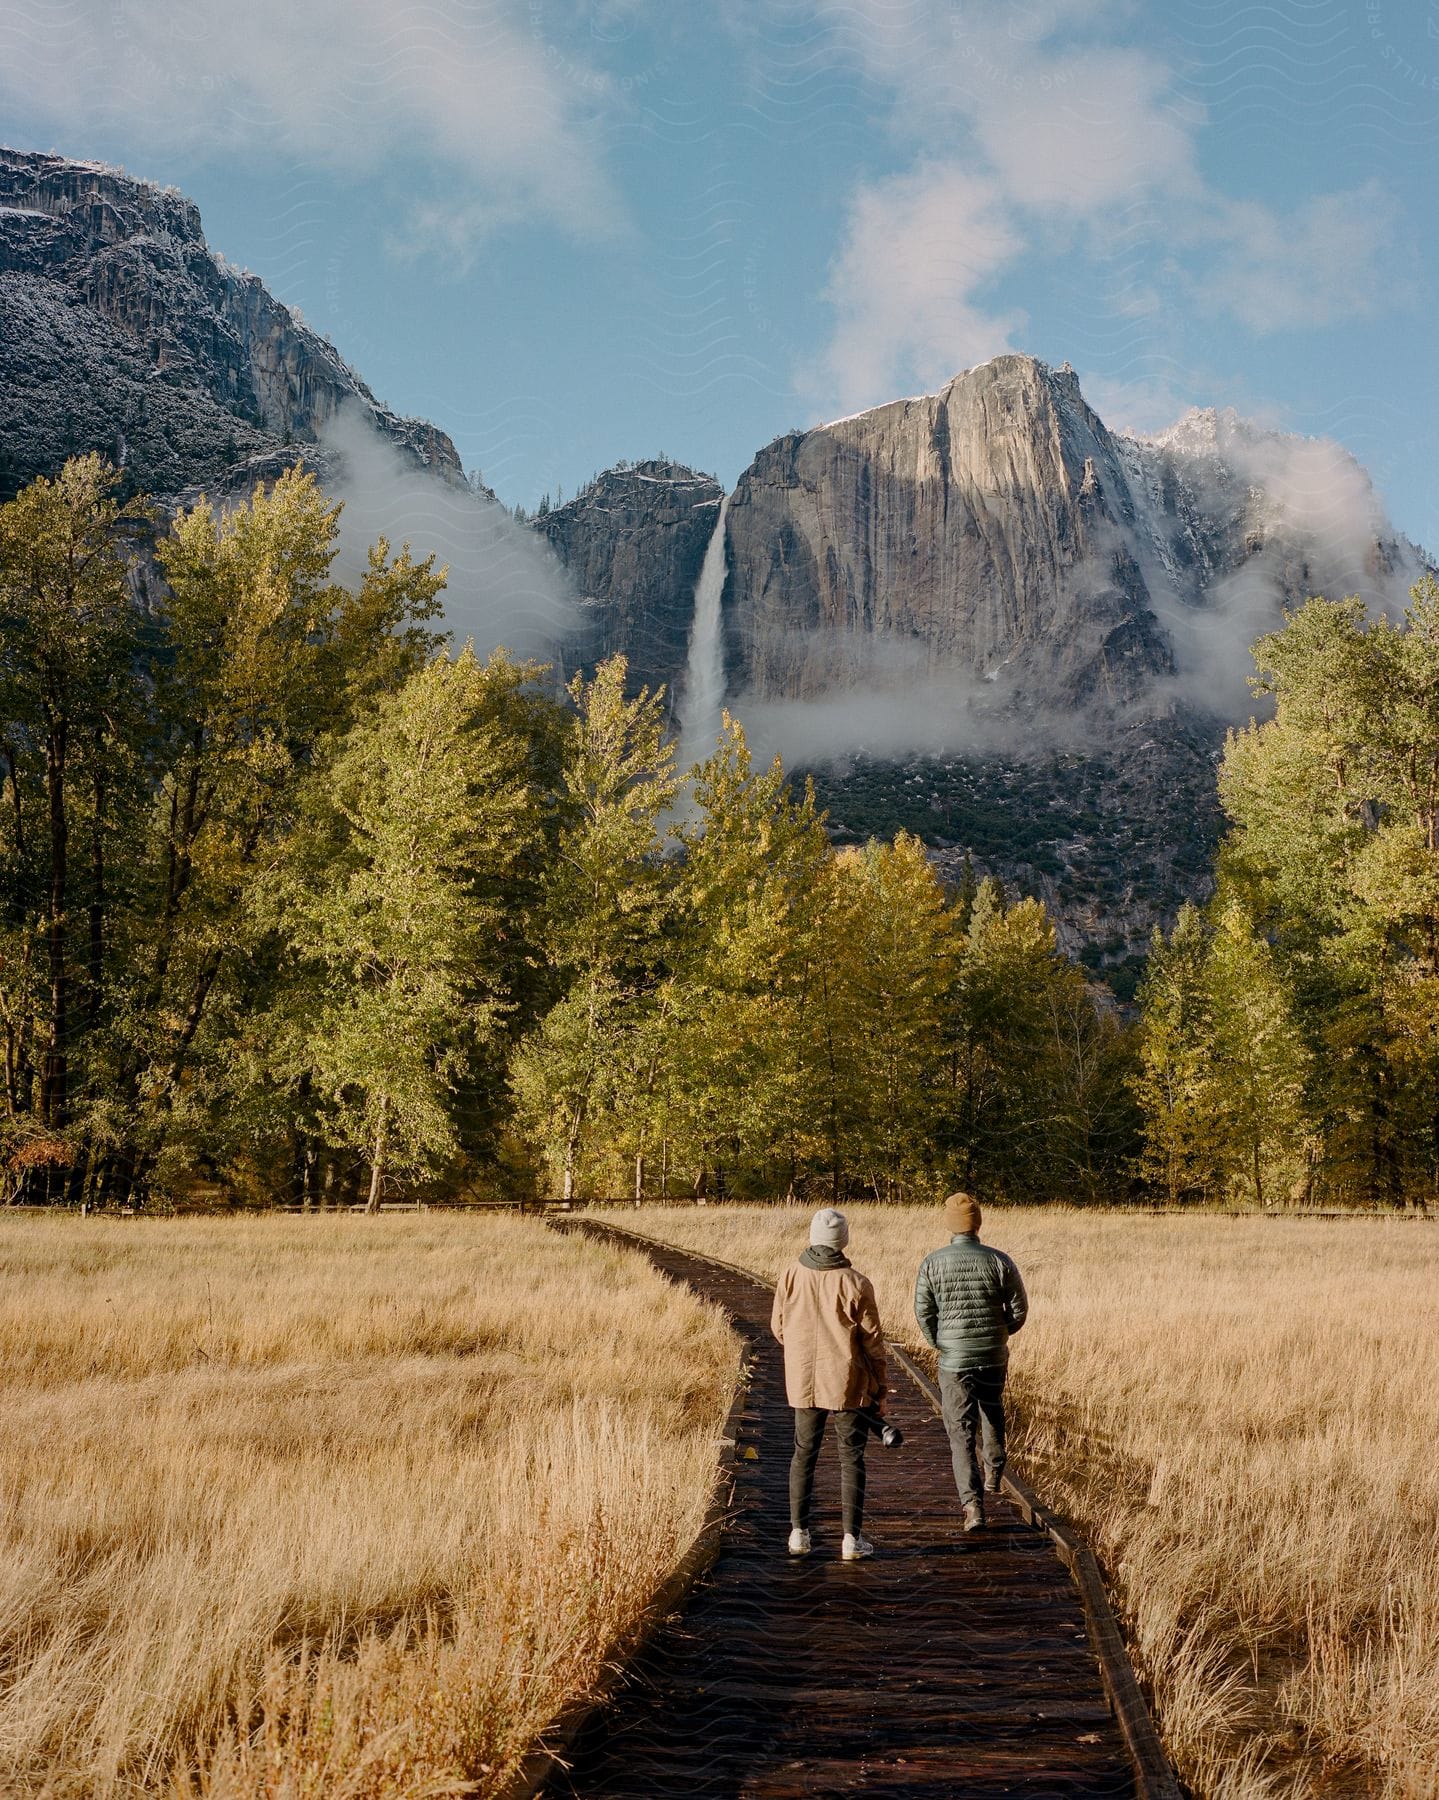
<point x="827" y="1318"/>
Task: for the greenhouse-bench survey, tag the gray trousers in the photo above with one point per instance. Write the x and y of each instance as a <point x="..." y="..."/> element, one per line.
<point x="850" y="1432"/>
<point x="973" y="1404"/>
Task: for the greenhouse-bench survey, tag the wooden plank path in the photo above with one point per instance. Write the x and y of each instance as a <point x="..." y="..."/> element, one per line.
<point x="946" y="1665"/>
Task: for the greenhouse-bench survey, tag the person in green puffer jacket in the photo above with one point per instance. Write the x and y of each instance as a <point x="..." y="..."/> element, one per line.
<point x="969" y="1300"/>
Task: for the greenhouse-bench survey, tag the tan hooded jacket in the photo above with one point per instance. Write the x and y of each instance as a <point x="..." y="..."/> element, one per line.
<point x="828" y="1322"/>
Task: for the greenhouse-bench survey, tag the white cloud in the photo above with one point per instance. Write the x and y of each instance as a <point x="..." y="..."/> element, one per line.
<point x="1023" y="130"/>
<point x="1338" y="256"/>
<point x="936" y="716"/>
<point x="1033" y="120"/>
<point x="1324" y="499"/>
<point x="1321" y="529"/>
<point x="907" y="283"/>
<point x="935" y="54"/>
<point x="1083" y="130"/>
<point x="1062" y="118"/>
<point x="369" y="86"/>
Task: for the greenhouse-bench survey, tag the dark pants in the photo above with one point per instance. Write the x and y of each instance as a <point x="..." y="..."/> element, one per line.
<point x="973" y="1398"/>
<point x="850" y="1432"/>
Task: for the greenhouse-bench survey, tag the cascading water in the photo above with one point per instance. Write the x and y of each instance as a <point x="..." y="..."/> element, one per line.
<point x="704" y="674"/>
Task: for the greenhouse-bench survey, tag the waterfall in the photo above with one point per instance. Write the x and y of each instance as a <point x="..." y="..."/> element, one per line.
<point x="704" y="672"/>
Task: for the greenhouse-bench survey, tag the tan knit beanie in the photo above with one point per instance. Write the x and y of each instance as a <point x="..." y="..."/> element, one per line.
<point x="961" y="1213"/>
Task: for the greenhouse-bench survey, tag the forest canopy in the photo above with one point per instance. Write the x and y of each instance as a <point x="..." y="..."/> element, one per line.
<point x="1290" y="1037"/>
<point x="301" y="903"/>
<point x="298" y="902"/>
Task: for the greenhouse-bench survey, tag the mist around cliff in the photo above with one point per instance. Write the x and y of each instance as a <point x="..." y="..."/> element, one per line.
<point x="1325" y="532"/>
<point x="504" y="586"/>
<point x="936" y="718"/>
<point x="1322" y="529"/>
<point x="887" y="699"/>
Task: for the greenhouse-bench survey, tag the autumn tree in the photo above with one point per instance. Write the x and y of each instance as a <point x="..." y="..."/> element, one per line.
<point x="70" y="719"/>
<point x="266" y="662"/>
<point x="1334" y="809"/>
<point x="416" y="822"/>
<point x="1037" y="1091"/>
<point x="1258" y="1063"/>
<point x="1174" y="1080"/>
<point x="746" y="954"/>
<point x="607" y="898"/>
<point x="890" y="949"/>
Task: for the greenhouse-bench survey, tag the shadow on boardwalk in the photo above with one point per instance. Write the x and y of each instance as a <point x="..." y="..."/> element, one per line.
<point x="945" y="1666"/>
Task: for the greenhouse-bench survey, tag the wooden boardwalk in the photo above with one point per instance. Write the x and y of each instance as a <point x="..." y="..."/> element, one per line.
<point x="946" y="1665"/>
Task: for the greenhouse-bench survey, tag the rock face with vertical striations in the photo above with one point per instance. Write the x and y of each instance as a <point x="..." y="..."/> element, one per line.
<point x="998" y="533"/>
<point x="983" y="616"/>
<point x="633" y="542"/>
<point x="984" y="532"/>
<point x="979" y="614"/>
<point x="121" y="331"/>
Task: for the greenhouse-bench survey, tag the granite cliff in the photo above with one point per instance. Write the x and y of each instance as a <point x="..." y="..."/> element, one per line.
<point x="998" y="539"/>
<point x="983" y="616"/>
<point x="632" y="542"/>
<point x="994" y="546"/>
<point x="121" y="331"/>
<point x="980" y="614"/>
<point x="983" y="532"/>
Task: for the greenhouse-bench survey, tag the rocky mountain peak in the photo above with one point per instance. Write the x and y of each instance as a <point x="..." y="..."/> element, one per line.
<point x="976" y="534"/>
<point x="92" y="200"/>
<point x="1229" y="504"/>
<point x="632" y="541"/>
<point x="121" y="331"/>
<point x="1198" y="432"/>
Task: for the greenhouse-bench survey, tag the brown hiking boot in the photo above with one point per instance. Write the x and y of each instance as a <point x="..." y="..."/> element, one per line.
<point x="973" y="1516"/>
<point x="993" y="1483"/>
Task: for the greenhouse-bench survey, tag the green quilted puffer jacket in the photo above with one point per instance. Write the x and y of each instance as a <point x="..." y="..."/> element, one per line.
<point x="968" y="1300"/>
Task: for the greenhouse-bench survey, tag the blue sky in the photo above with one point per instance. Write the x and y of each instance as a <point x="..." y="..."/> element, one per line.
<point x="574" y="230"/>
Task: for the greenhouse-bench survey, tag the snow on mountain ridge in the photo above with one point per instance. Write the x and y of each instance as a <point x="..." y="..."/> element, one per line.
<point x="119" y="323"/>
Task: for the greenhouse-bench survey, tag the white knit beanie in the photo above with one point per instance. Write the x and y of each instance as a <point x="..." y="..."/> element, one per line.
<point x="829" y="1227"/>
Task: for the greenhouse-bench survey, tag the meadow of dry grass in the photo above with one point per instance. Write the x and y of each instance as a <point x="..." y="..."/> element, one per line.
<point x="330" y="1508"/>
<point x="1243" y="1416"/>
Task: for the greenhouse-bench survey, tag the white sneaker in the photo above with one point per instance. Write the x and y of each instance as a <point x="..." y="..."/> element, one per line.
<point x="799" y="1542"/>
<point x="854" y="1547"/>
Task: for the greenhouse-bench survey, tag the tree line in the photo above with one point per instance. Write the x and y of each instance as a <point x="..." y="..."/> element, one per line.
<point x="301" y="903"/>
<point x="298" y="902"/>
<point x="1289" y="1038"/>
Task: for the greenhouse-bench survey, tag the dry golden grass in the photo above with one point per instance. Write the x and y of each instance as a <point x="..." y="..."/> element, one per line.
<point x="331" y="1508"/>
<point x="1243" y="1416"/>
